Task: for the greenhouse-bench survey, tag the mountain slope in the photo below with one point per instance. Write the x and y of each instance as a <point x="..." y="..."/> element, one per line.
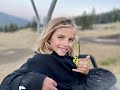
<point x="6" y="19"/>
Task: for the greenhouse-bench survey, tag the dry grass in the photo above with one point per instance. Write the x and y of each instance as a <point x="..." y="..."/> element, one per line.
<point x="96" y="33"/>
<point x="109" y="26"/>
<point x="9" y="68"/>
<point x="21" y="39"/>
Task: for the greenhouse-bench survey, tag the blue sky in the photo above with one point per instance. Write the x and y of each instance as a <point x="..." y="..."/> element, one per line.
<point x="24" y="9"/>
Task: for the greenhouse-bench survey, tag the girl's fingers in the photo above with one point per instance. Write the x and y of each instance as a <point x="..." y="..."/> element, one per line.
<point x="83" y="66"/>
<point x="54" y="83"/>
<point x="88" y="57"/>
<point x="53" y="88"/>
<point x="80" y="71"/>
<point x="76" y="70"/>
<point x="84" y="62"/>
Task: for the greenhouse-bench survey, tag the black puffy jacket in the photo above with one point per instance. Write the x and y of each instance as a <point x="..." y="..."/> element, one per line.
<point x="32" y="74"/>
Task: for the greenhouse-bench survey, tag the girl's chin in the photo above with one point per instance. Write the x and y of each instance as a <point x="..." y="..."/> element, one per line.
<point x="61" y="54"/>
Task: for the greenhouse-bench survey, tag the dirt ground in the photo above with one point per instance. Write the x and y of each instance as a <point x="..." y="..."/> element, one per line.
<point x="27" y="39"/>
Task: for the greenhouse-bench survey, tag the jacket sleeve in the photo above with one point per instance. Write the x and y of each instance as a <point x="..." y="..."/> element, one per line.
<point x="31" y="80"/>
<point x="25" y="76"/>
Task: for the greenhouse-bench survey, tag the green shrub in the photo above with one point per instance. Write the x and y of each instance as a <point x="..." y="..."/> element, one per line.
<point x="111" y="61"/>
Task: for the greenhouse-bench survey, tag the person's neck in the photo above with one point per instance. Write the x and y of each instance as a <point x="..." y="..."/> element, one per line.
<point x="54" y="53"/>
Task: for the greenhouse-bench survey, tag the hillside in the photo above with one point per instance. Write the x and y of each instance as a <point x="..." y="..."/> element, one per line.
<point x="6" y="19"/>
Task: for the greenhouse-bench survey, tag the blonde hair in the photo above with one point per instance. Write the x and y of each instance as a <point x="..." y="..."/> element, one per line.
<point x="61" y="22"/>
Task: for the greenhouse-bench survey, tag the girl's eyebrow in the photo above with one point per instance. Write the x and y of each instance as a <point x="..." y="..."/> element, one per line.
<point x="60" y="35"/>
<point x="64" y="36"/>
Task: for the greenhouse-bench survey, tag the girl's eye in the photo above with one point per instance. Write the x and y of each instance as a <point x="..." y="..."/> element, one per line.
<point x="71" y="40"/>
<point x="60" y="37"/>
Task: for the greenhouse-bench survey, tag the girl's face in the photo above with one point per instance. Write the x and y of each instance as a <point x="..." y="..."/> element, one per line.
<point x="62" y="40"/>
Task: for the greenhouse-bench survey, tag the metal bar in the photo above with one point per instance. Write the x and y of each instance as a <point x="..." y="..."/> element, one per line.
<point x="50" y="11"/>
<point x="38" y="19"/>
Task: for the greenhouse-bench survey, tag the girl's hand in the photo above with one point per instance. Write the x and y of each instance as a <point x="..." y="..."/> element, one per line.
<point x="49" y="84"/>
<point x="83" y="66"/>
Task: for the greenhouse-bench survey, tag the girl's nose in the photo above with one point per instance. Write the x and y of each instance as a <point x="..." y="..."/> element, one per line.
<point x="66" y="43"/>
